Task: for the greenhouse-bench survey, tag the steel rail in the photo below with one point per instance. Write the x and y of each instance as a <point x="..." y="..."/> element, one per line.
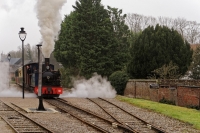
<point x="96" y="115"/>
<point x="135" y="131"/>
<point x="92" y="125"/>
<point x="148" y="124"/>
<point x="36" y="123"/>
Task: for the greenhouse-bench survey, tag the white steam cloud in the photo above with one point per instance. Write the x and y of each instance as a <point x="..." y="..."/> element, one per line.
<point x="7" y="90"/>
<point x="49" y="20"/>
<point x="92" y="88"/>
<point x="4" y="77"/>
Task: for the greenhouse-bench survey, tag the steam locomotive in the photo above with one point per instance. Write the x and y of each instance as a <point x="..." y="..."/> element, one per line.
<point x="50" y="79"/>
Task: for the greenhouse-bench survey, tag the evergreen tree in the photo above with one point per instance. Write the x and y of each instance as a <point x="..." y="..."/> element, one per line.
<point x="121" y="34"/>
<point x="66" y="51"/>
<point x="156" y="47"/>
<point x="87" y="41"/>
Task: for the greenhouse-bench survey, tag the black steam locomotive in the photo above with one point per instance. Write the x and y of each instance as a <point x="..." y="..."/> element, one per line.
<point x="50" y="79"/>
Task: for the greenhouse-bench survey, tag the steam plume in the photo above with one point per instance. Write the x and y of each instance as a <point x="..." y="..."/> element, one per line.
<point x="7" y="90"/>
<point x="92" y="88"/>
<point x="4" y="67"/>
<point x="49" y="20"/>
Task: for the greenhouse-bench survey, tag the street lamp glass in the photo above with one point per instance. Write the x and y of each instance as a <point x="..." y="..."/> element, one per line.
<point x="22" y="34"/>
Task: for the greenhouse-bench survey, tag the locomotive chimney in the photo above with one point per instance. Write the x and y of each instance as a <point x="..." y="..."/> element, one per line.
<point x="47" y="61"/>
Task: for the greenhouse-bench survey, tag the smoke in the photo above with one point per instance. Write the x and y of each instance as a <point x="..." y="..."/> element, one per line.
<point x="7" y="90"/>
<point x="49" y="20"/>
<point x="4" y="82"/>
<point x="92" y="88"/>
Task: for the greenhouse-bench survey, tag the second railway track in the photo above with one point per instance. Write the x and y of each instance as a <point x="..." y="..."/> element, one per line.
<point x="116" y="120"/>
<point x="90" y="118"/>
<point x="125" y="118"/>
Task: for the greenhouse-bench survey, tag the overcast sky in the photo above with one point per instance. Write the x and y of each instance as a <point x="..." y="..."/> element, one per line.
<point x="21" y="13"/>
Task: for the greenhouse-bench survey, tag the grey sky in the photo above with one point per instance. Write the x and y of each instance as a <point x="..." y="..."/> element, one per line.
<point x="20" y="13"/>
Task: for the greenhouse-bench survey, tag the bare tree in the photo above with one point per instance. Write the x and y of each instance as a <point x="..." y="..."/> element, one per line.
<point x="189" y="30"/>
<point x="16" y="54"/>
<point x="180" y="24"/>
<point x="193" y="32"/>
<point x="134" y="22"/>
<point x="168" y="71"/>
<point x="147" y="21"/>
<point x="34" y="53"/>
<point x="166" y="21"/>
<point x="28" y="54"/>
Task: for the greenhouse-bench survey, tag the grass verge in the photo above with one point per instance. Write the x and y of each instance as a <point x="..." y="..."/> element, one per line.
<point x="187" y="115"/>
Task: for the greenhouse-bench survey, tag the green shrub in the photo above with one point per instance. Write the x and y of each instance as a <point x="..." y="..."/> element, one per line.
<point x="194" y="107"/>
<point x="163" y="100"/>
<point x="118" y="80"/>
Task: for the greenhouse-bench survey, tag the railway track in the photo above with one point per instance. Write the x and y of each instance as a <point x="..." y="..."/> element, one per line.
<point x="125" y="118"/>
<point x="90" y="118"/>
<point x="19" y="122"/>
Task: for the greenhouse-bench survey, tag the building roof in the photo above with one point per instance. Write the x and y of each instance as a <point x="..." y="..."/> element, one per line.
<point x="15" y="63"/>
<point x="12" y="60"/>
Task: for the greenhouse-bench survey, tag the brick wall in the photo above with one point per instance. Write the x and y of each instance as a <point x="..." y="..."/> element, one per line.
<point x="138" y="88"/>
<point x="181" y="95"/>
<point x="154" y="95"/>
<point x="169" y="94"/>
<point x="188" y="96"/>
<point x="142" y="90"/>
<point x="130" y="89"/>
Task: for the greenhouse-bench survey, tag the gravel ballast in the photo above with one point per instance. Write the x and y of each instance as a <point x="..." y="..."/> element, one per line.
<point x="64" y="123"/>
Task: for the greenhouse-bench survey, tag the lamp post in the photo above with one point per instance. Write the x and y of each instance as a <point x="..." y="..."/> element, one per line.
<point x="22" y="36"/>
<point x="9" y="57"/>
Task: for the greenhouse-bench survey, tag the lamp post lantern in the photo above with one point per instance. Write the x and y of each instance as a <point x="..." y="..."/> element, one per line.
<point x="22" y="36"/>
<point x="9" y="57"/>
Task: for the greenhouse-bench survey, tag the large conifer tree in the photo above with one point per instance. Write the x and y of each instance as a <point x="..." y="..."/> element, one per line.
<point x="156" y="47"/>
<point x="87" y="41"/>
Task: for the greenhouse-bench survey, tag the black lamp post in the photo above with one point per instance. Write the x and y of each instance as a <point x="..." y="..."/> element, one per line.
<point x="22" y="36"/>
<point x="9" y="57"/>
